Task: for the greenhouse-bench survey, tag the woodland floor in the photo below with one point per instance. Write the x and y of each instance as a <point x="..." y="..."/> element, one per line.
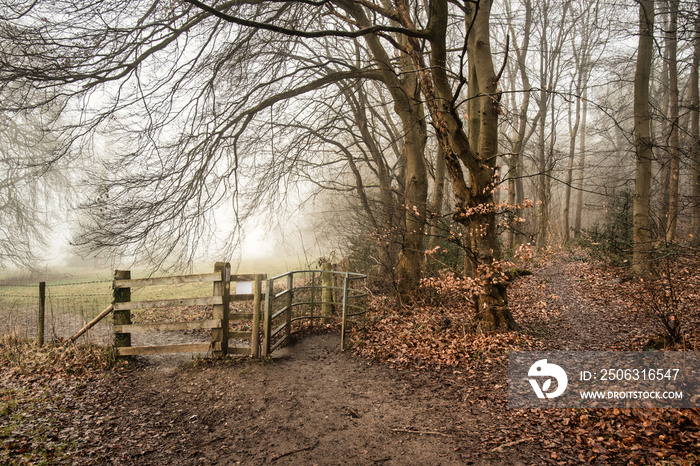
<point x="418" y="399"/>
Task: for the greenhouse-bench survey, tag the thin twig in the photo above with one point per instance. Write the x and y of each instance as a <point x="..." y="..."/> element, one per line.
<point x="275" y="458"/>
<point x="421" y="432"/>
<point x="503" y="446"/>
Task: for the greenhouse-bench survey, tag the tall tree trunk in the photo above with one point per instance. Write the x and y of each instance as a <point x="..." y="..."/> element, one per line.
<point x="695" y="128"/>
<point x="674" y="121"/>
<point x="583" y="66"/>
<point x="438" y="199"/>
<point x="516" y="194"/>
<point x="474" y="201"/>
<point x="550" y="169"/>
<point x="550" y="66"/>
<point x="581" y="165"/>
<point x="405" y="90"/>
<point x="663" y="130"/>
<point x="641" y="231"/>
<point x="474" y="207"/>
<point x="573" y="132"/>
<point x="416" y="195"/>
<point x="412" y="261"/>
<point x="542" y="206"/>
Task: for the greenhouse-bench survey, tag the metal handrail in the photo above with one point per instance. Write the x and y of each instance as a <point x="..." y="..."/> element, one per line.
<point x="291" y="290"/>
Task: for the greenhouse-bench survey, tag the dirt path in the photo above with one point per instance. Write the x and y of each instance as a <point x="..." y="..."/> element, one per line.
<point x="312" y="405"/>
<point x="584" y="323"/>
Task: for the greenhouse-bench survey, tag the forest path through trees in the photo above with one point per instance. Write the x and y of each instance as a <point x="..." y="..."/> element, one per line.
<point x="581" y="324"/>
<point x="591" y="317"/>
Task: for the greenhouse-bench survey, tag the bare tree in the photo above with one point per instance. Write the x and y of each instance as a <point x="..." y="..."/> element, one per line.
<point x="520" y="133"/>
<point x="583" y="44"/>
<point x="189" y="86"/>
<point x="31" y="180"/>
<point x="550" y="68"/>
<point x="695" y="126"/>
<point x="674" y="136"/>
<point x="643" y="140"/>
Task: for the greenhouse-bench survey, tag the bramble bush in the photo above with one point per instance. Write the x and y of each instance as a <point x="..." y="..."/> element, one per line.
<point x="610" y="241"/>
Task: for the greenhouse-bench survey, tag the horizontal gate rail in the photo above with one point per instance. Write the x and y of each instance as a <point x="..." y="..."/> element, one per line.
<point x="162" y="349"/>
<point x="160" y="281"/>
<point x="123" y="305"/>
<point x="204" y="301"/>
<point x="169" y="326"/>
<point x="248" y="288"/>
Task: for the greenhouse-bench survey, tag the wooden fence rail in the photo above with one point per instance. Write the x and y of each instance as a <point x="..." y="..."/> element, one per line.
<point x="218" y="324"/>
<point x="279" y="305"/>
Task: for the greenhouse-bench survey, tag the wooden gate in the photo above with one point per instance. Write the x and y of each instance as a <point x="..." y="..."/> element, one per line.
<point x="248" y="288"/>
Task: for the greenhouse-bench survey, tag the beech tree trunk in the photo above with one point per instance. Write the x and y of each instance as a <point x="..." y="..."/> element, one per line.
<point x="573" y="132"/>
<point x="477" y="152"/>
<point x="438" y="199"/>
<point x="581" y="165"/>
<point x="674" y="139"/>
<point x="405" y="90"/>
<point x="641" y="223"/>
<point x="695" y="129"/>
<point x="582" y="59"/>
<point x="516" y="194"/>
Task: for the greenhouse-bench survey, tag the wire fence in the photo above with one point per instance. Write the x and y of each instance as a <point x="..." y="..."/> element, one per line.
<point x="68" y="306"/>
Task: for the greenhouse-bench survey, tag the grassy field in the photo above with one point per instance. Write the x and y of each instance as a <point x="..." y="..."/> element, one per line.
<point x="75" y="296"/>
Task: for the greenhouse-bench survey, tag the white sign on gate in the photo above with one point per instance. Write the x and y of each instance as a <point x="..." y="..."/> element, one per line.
<point x="244" y="287"/>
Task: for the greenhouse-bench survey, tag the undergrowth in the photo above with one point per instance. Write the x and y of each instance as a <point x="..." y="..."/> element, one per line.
<point x="22" y="356"/>
<point x="431" y="336"/>
<point x="41" y="389"/>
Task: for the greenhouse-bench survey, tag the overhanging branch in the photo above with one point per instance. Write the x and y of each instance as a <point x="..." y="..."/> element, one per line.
<point x="306" y="34"/>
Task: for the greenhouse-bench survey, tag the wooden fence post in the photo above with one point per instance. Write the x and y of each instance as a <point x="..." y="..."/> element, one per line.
<point x="42" y="314"/>
<point x="326" y="292"/>
<point x="122" y="317"/>
<point x="219" y="336"/>
<point x="288" y="314"/>
<point x="267" y="322"/>
<point x="257" y="307"/>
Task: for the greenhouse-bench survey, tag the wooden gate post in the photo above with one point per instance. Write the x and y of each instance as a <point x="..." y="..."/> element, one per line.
<point x="42" y="314"/>
<point x="326" y="293"/>
<point x="122" y="317"/>
<point x="267" y="322"/>
<point x="343" y="325"/>
<point x="219" y="336"/>
<point x="257" y="307"/>
<point x="313" y="299"/>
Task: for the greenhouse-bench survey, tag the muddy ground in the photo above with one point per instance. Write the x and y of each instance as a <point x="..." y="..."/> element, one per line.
<point x="311" y="405"/>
